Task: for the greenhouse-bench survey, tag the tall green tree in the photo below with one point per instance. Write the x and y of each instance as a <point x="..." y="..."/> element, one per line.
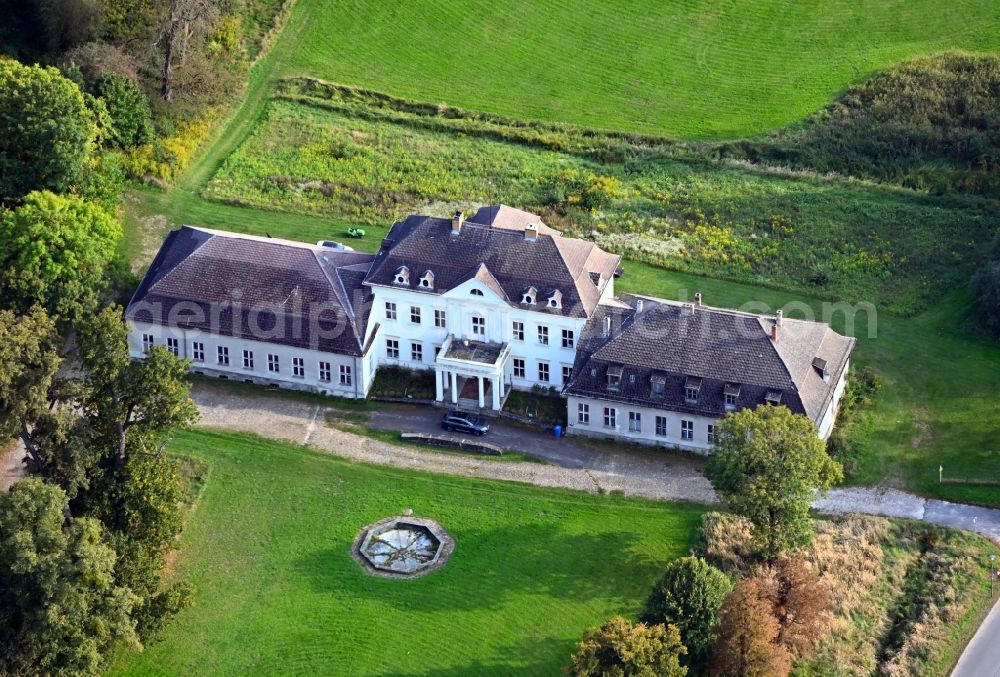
<point x="766" y="465"/>
<point x="54" y="251"/>
<point x="60" y="609"/>
<point x="28" y="364"/>
<point x="46" y="130"/>
<point x="128" y="109"/>
<point x="622" y="649"/>
<point x="689" y="596"/>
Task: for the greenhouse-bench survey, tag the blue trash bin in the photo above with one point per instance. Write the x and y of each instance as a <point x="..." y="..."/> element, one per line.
<point x="557" y="431"/>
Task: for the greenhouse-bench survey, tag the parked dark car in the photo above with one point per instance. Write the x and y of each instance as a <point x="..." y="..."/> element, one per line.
<point x="465" y="423"/>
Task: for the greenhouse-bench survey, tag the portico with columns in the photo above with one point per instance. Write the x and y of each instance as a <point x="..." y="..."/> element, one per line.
<point x="471" y="373"/>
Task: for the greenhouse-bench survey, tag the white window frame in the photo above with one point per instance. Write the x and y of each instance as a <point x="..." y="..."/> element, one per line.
<point x="440" y="319"/>
<point x="543" y="335"/>
<point x="583" y="413"/>
<point x="520" y="367"/>
<point x="198" y="351"/>
<point x="416" y="351"/>
<point x="174" y="346"/>
<point x="544" y="372"/>
<point x="611" y="418"/>
<point x="148" y="341"/>
<point x="247" y="359"/>
<point x="568" y="338"/>
<point x="346" y="376"/>
<point x="415" y="315"/>
<point x="687" y="429"/>
<point x="710" y="433"/>
<point x="390" y="310"/>
<point x="222" y="355"/>
<point x="634" y="422"/>
<point x="273" y="363"/>
<point x="392" y="348"/>
<point x="325" y="371"/>
<point x="567" y="373"/>
<point x="479" y="325"/>
<point x="661" y="426"/>
<point x="299" y="367"/>
<point x="517" y="330"/>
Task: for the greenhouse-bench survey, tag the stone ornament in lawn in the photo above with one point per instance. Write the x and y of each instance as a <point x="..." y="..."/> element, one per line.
<point x="402" y="547"/>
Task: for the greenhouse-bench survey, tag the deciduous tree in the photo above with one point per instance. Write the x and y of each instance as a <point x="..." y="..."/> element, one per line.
<point x="800" y="602"/>
<point x="128" y="108"/>
<point x="619" y="648"/>
<point x="748" y="633"/>
<point x="28" y="363"/>
<point x="689" y="596"/>
<point x="46" y="130"/>
<point x="54" y="251"/>
<point x="767" y="464"/>
<point x="60" y="608"/>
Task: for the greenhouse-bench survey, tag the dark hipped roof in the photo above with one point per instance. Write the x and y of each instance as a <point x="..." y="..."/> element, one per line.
<point x="713" y="349"/>
<point x="499" y="256"/>
<point x="266" y="289"/>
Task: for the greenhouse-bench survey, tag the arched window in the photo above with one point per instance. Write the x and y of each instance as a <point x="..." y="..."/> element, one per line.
<point x="476" y="292"/>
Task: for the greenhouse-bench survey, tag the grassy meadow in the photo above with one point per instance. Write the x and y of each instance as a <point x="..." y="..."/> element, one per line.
<point x="687" y="68"/>
<point x="277" y="592"/>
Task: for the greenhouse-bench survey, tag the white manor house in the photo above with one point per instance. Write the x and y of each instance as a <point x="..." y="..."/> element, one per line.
<point x="495" y="302"/>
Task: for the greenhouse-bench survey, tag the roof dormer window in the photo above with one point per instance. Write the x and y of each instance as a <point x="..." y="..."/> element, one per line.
<point x="819" y="364"/>
<point x="529" y="296"/>
<point x="773" y="397"/>
<point x="427" y="280"/>
<point x="402" y="275"/>
<point x="692" y="390"/>
<point x="615" y="377"/>
<point x="732" y="393"/>
<point x="555" y="301"/>
<point x="658" y="384"/>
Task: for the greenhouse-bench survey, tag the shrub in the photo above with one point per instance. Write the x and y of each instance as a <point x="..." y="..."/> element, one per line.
<point x="619" y="648"/>
<point x="129" y="110"/>
<point x="689" y="596"/>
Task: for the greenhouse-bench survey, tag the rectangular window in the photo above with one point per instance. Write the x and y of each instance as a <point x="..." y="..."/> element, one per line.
<point x="324" y="371"/>
<point x="298" y="367"/>
<point x="583" y="413"/>
<point x="517" y="331"/>
<point x="610" y="417"/>
<point x="273" y="364"/>
<point x="543" y="372"/>
<point x="635" y="422"/>
<point x="568" y="338"/>
<point x="567" y="373"/>
<point x="345" y="375"/>
<point x="440" y="319"/>
<point x="147" y="342"/>
<point x="478" y="325"/>
<point x="390" y="310"/>
<point x="543" y="335"/>
<point x="392" y="348"/>
<point x="691" y="395"/>
<point x="687" y="430"/>
<point x="658" y="388"/>
<point x="198" y="351"/>
<point x="731" y="400"/>
<point x="661" y="426"/>
<point x="223" y="353"/>
<point x="174" y="346"/>
<point x="417" y="352"/>
<point x="711" y="433"/>
<point x="415" y="314"/>
<point x="248" y="359"/>
<point x="518" y="367"/>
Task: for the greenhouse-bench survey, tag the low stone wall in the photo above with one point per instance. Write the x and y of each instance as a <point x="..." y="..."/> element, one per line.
<point x="450" y="443"/>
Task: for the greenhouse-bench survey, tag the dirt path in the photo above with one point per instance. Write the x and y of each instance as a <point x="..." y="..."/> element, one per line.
<point x="12" y="468"/>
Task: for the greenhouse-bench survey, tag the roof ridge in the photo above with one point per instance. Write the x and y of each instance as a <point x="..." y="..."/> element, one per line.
<point x="194" y="251"/>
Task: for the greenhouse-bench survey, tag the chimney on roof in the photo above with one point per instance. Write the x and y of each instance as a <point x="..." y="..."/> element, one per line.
<point x="697" y="299"/>
<point x="531" y="232"/>
<point x="607" y="326"/>
<point x="638" y="305"/>
<point x="456" y="222"/>
<point x="777" y="317"/>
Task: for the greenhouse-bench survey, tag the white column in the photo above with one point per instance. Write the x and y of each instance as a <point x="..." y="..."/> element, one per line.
<point x="482" y="394"/>
<point x="501" y="385"/>
<point x="438" y="385"/>
<point x="454" y="387"/>
<point x="496" y="393"/>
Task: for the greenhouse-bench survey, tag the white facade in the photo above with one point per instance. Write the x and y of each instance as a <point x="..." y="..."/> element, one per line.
<point x="241" y="359"/>
<point x="635" y="423"/>
<point x="830" y="415"/>
<point x="415" y="324"/>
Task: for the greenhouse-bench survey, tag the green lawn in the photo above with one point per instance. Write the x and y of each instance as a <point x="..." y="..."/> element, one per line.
<point x="267" y="549"/>
<point x="685" y="68"/>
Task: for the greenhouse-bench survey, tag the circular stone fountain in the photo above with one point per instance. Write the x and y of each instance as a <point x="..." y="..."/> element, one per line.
<point x="402" y="547"/>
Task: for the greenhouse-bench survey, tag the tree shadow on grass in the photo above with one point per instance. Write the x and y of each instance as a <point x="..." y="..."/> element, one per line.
<point x="488" y="567"/>
<point x="527" y="658"/>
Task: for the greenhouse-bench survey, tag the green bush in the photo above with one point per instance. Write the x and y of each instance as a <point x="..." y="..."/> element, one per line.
<point x="689" y="595"/>
<point x="129" y="110"/>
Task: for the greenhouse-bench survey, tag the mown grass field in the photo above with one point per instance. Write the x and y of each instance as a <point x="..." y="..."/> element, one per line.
<point x="686" y="68"/>
<point x="277" y="592"/>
